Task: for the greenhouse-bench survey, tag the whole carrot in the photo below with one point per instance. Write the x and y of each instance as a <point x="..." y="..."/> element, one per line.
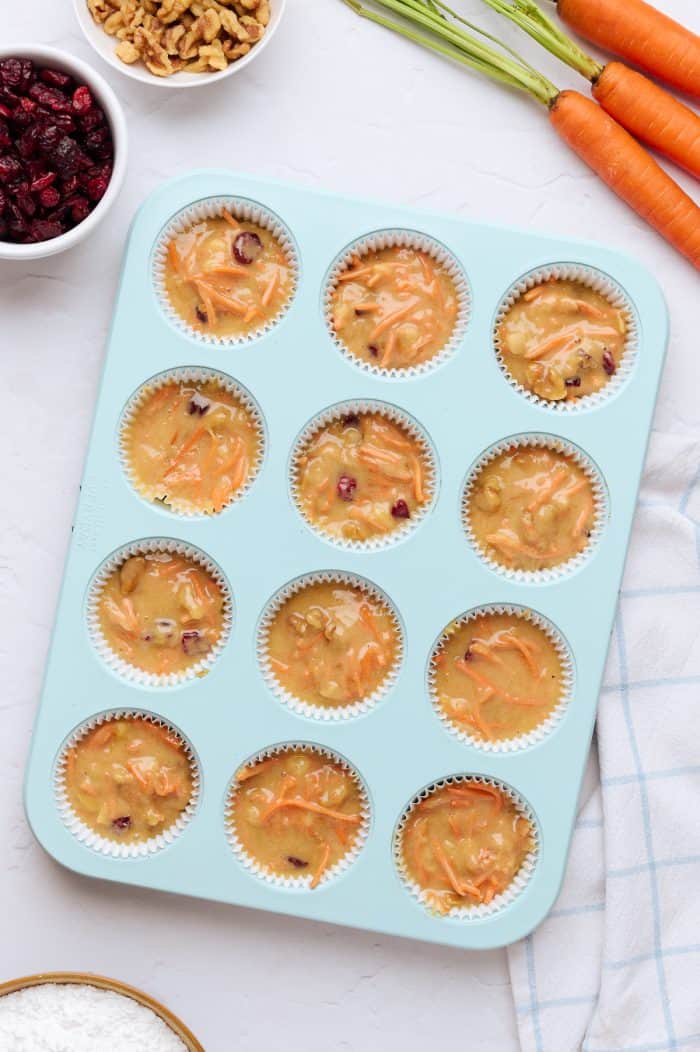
<point x="643" y="107"/>
<point x="638" y="32"/>
<point x="620" y="161"/>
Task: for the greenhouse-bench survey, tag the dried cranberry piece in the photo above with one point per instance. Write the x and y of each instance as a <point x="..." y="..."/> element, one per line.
<point x="11" y="73"/>
<point x="64" y="121"/>
<point x="351" y="420"/>
<point x="400" y="509"/>
<point x="48" y="137"/>
<point x="198" y="404"/>
<point x="70" y="185"/>
<point x="201" y="314"/>
<point x="51" y="98"/>
<point x="42" y="181"/>
<point x="247" y="247"/>
<point x="122" y="824"/>
<point x="66" y="156"/>
<point x="373" y="350"/>
<point x="5" y="111"/>
<point x="298" y="863"/>
<point x="49" y="197"/>
<point x="573" y="381"/>
<point x="26" y="144"/>
<point x="45" y="229"/>
<point x="468" y="655"/>
<point x="96" y="187"/>
<point x="10" y="169"/>
<point x="56" y="78"/>
<point x="80" y="209"/>
<point x="609" y="363"/>
<point x="26" y="202"/>
<point x="5" y="138"/>
<point x="92" y="119"/>
<point x="346" y="487"/>
<point x="82" y="100"/>
<point x="193" y="642"/>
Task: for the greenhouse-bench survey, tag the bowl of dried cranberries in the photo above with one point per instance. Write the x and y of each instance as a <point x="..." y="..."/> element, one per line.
<point x="63" y="148"/>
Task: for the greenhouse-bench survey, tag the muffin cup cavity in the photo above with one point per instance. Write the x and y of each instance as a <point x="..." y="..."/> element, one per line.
<point x="178" y="376"/>
<point x="246" y="211"/>
<point x="395" y="416"/>
<point x="600" y="501"/>
<point x="396" y="238"/>
<point x="89" y="837"/>
<point x="298" y="705"/>
<point x="516" y="886"/>
<point x="537" y="734"/>
<point x="300" y="883"/>
<point x="599" y="282"/>
<point x="117" y="664"/>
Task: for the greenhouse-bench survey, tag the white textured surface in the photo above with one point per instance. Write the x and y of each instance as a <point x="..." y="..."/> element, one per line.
<point x="338" y="104"/>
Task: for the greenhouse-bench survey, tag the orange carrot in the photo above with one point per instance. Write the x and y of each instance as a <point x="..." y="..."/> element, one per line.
<point x="594" y="135"/>
<point x="628" y="170"/>
<point x="637" y="103"/>
<point x="638" y="32"/>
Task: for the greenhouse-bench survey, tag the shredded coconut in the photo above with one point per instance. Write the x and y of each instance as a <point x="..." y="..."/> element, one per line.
<point x="72" y="1017"/>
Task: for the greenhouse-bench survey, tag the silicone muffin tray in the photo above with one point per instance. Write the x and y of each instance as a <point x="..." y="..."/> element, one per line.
<point x="465" y="405"/>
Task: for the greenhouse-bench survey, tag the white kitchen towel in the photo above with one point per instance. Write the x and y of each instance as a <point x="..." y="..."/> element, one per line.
<point x="616" y="965"/>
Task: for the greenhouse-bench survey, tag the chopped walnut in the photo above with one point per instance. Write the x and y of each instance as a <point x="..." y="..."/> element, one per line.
<point x="197" y="36"/>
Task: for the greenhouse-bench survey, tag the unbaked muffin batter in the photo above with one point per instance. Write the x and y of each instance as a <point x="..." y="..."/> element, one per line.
<point x="192" y="445"/>
<point x="129" y="779"/>
<point x="463" y="844"/>
<point x="227" y="277"/>
<point x="496" y="676"/>
<point x="161" y="612"/>
<point x="531" y="508"/>
<point x="562" y="340"/>
<point x="332" y="644"/>
<point x="395" y="307"/>
<point x="361" y="476"/>
<point x="297" y="813"/>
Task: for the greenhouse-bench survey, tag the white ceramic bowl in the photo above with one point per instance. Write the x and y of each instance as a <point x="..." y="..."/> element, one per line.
<point x="103" y="94"/>
<point x="105" y="46"/>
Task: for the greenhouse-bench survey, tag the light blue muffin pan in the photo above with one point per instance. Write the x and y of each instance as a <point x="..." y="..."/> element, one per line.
<point x="432" y="576"/>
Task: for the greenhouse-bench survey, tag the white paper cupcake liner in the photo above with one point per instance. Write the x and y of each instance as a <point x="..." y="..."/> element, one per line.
<point x="412" y="428"/>
<point x="375" y="242"/>
<point x="599" y="282"/>
<point x="600" y="501"/>
<point x="94" y="840"/>
<point x="211" y="208"/>
<point x="499" y="902"/>
<point x="302" y="882"/>
<point x="543" y="729"/>
<point x="180" y="376"/>
<point x="298" y="705"/>
<point x="116" y="663"/>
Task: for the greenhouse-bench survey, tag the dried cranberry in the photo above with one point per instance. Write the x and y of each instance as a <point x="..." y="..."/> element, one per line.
<point x="92" y="119"/>
<point x="56" y="78"/>
<point x="5" y="112"/>
<point x="10" y="169"/>
<point x="26" y="202"/>
<point x="80" y="209"/>
<point x="351" y="420"/>
<point x="42" y="181"/>
<point x="122" y="824"/>
<point x="48" y="137"/>
<point x="346" y="487"/>
<point x="201" y="314"/>
<point x="97" y="187"/>
<point x="247" y="247"/>
<point x="45" y="229"/>
<point x="82" y="100"/>
<point x="573" y="381"/>
<point x="11" y="73"/>
<point x="373" y="350"/>
<point x="609" y="363"/>
<point x="298" y="863"/>
<point x="5" y="138"/>
<point x="468" y="655"/>
<point x="193" y="642"/>
<point x="70" y="185"/>
<point x="66" y="156"/>
<point x="198" y="404"/>
<point x="27" y="144"/>
<point x="49" y="197"/>
<point x="51" y="98"/>
<point x="400" y="509"/>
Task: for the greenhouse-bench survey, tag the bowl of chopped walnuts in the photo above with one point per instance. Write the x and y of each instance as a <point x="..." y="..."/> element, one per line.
<point x="179" y="43"/>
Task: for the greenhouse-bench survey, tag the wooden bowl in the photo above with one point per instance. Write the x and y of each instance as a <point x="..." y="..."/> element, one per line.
<point x="86" y="979"/>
